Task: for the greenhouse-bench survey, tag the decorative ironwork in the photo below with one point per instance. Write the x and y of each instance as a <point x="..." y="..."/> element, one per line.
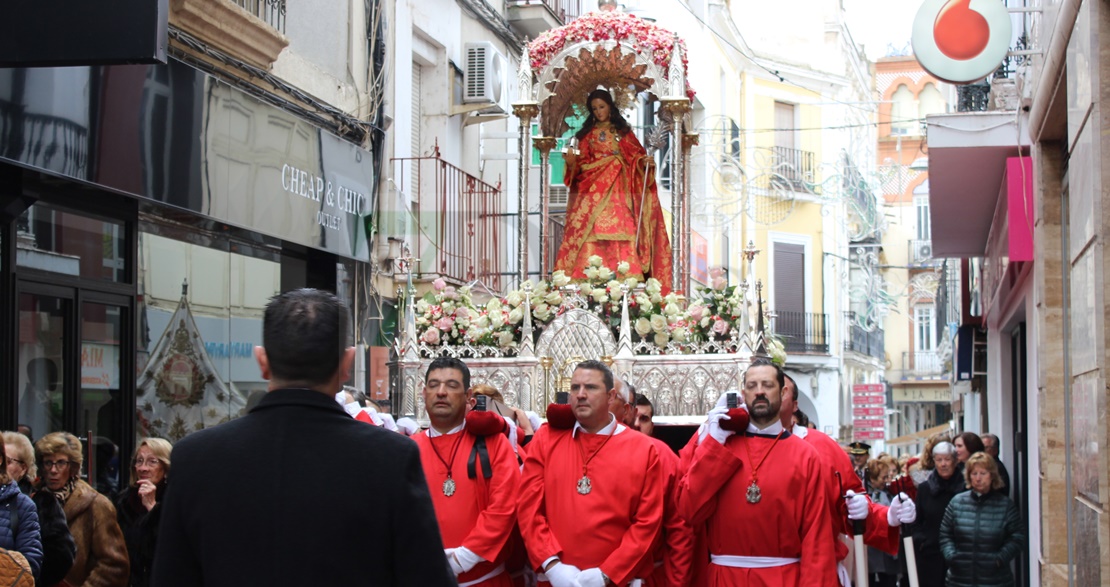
<point x="871" y="343"/>
<point x="272" y="12"/>
<point x="803" y="331"/>
<point x="973" y="97"/>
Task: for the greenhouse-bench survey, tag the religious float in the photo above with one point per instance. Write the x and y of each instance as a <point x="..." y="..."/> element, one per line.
<point x="681" y="348"/>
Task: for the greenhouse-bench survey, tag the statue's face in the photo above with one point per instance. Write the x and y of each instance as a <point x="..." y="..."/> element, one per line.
<point x="600" y="109"/>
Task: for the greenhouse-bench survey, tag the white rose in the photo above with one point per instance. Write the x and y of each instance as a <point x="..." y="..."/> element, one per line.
<point x="680" y="334"/>
<point x="672" y="309"/>
<point x="654" y="286"/>
<point x="591" y="273"/>
<point x="493" y="305"/>
<point x="540" y="308"/>
<point x="595" y="261"/>
<point x="482" y="322"/>
<point x="604" y="273"/>
<point x="497" y="319"/>
<point x="559" y="278"/>
<point x="422" y="307"/>
<point x="585" y="289"/>
<point x="600" y="296"/>
<point x="516" y="316"/>
<point x="505" y="338"/>
<point x="656" y="298"/>
<point x="515" y="298"/>
<point x="554" y="298"/>
<point x="643" y="326"/>
<point x="622" y="267"/>
<point x="631" y="282"/>
<point x="704" y="322"/>
<point x="614" y="287"/>
<point x="658" y="323"/>
<point x="661" y="339"/>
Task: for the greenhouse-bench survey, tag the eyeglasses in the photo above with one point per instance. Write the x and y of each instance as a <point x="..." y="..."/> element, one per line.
<point x="147" y="462"/>
<point x="55" y="464"/>
<point x="17" y="461"/>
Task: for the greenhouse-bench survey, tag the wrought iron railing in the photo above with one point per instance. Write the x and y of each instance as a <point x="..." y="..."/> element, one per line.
<point x="565" y="10"/>
<point x="871" y="343"/>
<point x="272" y="12"/>
<point x="802" y="332"/>
<point x="922" y="363"/>
<point x="793" y="169"/>
<point x="458" y="233"/>
<point x="973" y="97"/>
<point x="47" y="142"/>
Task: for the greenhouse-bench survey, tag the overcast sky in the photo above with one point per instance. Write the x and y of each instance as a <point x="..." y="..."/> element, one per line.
<point x="877" y="23"/>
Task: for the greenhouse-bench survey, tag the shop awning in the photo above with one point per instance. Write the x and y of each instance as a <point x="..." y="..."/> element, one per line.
<point x="919" y="436"/>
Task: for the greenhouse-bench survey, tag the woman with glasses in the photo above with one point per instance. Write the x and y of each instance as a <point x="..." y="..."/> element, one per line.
<point x="101" y="553"/>
<point x="19" y="520"/>
<point x="58" y="549"/>
<point x="138" y="506"/>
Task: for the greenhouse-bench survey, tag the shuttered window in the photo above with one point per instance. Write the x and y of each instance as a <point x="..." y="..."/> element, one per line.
<point x="790" y="290"/>
<point x="784" y="125"/>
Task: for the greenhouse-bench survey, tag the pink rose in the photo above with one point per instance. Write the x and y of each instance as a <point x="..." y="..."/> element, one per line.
<point x="716" y="272"/>
<point x="439" y="284"/>
<point x="445" y="323"/>
<point x="720" y="327"/>
<point x="431" y="336"/>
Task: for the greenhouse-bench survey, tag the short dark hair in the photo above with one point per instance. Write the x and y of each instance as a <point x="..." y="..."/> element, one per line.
<point x="642" y="400"/>
<point x="304" y="333"/>
<point x="606" y="372"/>
<point x="801" y="418"/>
<point x="445" y="362"/>
<point x="762" y="362"/>
<point x="794" y="396"/>
<point x="972" y="442"/>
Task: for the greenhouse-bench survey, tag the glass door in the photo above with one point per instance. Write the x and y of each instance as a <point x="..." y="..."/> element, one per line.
<point x="100" y="406"/>
<point x="44" y="329"/>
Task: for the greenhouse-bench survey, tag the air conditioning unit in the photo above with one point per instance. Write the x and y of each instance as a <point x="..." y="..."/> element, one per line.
<point x="485" y="77"/>
<point x="924" y="251"/>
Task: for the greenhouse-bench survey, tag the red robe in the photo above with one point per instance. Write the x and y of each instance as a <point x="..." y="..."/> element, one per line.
<point x="790" y="521"/>
<point x="878" y="534"/>
<point x="674" y="547"/>
<point x="614" y="525"/>
<point x="481" y="514"/>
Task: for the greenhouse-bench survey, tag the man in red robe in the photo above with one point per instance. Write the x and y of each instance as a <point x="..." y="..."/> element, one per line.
<point x="841" y="480"/>
<point x="672" y="553"/>
<point x="474" y="489"/>
<point x="765" y="525"/>
<point x="591" y="499"/>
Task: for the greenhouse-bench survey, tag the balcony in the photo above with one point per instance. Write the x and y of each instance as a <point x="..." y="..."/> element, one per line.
<point x="251" y="30"/>
<point x="802" y="332"/>
<point x="271" y="12"/>
<point x="872" y="344"/>
<point x="532" y="17"/>
<point x="789" y="169"/>
<point x="920" y="251"/>
<point x="922" y="365"/>
<point x="458" y="234"/>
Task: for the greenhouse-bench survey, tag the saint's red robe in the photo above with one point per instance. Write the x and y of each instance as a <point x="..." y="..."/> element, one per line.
<point x="674" y="547"/>
<point x="613" y="526"/>
<point x="791" y="520"/>
<point x="481" y="514"/>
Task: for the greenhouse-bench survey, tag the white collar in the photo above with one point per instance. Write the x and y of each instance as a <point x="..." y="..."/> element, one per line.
<point x="800" y="431"/>
<point x="774" y="429"/>
<point x="611" y="428"/>
<point x="432" y="433"/>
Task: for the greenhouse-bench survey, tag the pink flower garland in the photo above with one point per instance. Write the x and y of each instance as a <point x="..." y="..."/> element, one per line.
<point x="609" y="26"/>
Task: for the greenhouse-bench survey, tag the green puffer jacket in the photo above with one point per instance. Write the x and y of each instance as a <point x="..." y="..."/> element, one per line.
<point x="979" y="536"/>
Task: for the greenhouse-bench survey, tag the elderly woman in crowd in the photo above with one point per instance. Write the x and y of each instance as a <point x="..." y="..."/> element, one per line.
<point x="967" y="444"/>
<point x="139" y="506"/>
<point x="19" y="520"/>
<point x="101" y="553"/>
<point x="58" y="549"/>
<point x="982" y="530"/>
<point x="882" y="568"/>
<point x="933" y="496"/>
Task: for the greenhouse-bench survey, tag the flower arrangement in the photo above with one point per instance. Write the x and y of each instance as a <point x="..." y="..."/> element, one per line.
<point x="715" y="310"/>
<point x="605" y="26"/>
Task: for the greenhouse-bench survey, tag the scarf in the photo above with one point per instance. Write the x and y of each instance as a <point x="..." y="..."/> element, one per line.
<point x="67" y="489"/>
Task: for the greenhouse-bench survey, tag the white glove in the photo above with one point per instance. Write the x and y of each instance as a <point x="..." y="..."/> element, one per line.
<point x="713" y="425"/>
<point x="858" y="506"/>
<point x="591" y="578"/>
<point x="842" y="574"/>
<point x="467" y="559"/>
<point x="453" y="561"/>
<point x="562" y="575"/>
<point x="902" y="511"/>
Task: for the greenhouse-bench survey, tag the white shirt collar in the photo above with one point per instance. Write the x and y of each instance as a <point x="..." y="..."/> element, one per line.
<point x="800" y="431"/>
<point x="773" y="429"/>
<point x="432" y="433"/>
<point x="611" y="428"/>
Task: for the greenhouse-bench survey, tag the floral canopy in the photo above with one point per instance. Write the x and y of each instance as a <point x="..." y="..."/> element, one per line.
<point x="611" y="49"/>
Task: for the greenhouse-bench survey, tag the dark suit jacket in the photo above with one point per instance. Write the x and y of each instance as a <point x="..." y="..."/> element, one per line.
<point x="298" y="493"/>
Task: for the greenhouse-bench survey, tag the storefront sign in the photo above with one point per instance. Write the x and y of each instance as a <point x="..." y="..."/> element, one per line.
<point x="195" y="143"/>
<point x="923" y="394"/>
<point x="99" y="366"/>
<point x="961" y="41"/>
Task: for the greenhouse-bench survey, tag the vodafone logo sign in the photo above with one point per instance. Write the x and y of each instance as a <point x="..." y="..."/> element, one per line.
<point x="961" y="41"/>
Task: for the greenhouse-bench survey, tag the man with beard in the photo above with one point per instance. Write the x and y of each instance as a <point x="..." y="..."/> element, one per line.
<point x="764" y="524"/>
<point x="591" y="499"/>
<point x="476" y="512"/>
<point x="673" y="547"/>
<point x="881" y="521"/>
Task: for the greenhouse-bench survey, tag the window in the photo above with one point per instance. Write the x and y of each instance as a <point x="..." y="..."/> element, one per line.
<point x="930" y="101"/>
<point x="925" y="330"/>
<point x="903" y="111"/>
<point x="784" y="125"/>
<point x="789" y="278"/>
<point x="924" y="225"/>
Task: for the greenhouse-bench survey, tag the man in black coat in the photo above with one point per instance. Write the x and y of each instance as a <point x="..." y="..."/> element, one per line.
<point x="297" y="492"/>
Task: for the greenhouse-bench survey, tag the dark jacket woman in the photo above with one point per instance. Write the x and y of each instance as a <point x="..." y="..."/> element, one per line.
<point x="140" y="531"/>
<point x="932" y="500"/>
<point x="19" y="525"/>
